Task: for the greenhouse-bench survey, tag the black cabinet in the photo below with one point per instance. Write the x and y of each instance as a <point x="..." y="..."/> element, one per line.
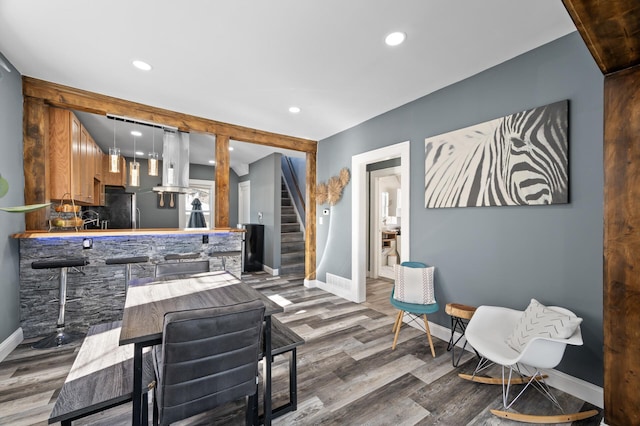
<point x="253" y="247"/>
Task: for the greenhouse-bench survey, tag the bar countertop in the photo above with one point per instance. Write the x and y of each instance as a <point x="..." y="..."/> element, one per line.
<point x="90" y="233"/>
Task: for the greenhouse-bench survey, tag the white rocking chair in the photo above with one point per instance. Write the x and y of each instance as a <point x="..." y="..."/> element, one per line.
<point x="489" y="331"/>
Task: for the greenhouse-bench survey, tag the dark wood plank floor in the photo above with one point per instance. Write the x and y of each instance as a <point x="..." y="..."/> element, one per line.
<point x="347" y="372"/>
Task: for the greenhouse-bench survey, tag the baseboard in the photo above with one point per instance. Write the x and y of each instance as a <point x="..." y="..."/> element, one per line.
<point x="557" y="379"/>
<point x="310" y="283"/>
<point x="339" y="286"/>
<point x="270" y="271"/>
<point x="10" y="343"/>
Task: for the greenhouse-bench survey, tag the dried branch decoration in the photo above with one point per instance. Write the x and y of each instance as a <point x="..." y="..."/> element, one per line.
<point x="321" y="193"/>
<point x="331" y="191"/>
<point x="334" y="190"/>
<point x="344" y="176"/>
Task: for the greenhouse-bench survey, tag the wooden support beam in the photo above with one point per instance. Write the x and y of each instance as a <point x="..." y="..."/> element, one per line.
<point x="95" y="103"/>
<point x="222" y="182"/>
<point x="621" y="247"/>
<point x="36" y="160"/>
<point x="610" y="29"/>
<point x="310" y="219"/>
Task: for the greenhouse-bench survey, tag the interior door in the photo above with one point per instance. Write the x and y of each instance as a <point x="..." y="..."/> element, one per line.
<point x="244" y="200"/>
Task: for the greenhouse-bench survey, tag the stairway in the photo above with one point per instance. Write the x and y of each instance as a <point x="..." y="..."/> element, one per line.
<point x="291" y="237"/>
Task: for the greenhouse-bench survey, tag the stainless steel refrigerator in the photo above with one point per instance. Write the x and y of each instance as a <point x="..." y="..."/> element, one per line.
<point x="119" y="210"/>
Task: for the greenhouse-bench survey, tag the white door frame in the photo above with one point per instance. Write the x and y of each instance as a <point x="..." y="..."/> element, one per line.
<point x="242" y="187"/>
<point x="359" y="208"/>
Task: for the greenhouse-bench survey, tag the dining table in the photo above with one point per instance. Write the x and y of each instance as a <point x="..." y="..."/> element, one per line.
<point x="146" y="305"/>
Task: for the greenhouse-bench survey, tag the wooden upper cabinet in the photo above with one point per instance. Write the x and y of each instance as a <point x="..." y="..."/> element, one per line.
<point x="86" y="167"/>
<point x="73" y="159"/>
<point x="97" y="161"/>
<point x="64" y="155"/>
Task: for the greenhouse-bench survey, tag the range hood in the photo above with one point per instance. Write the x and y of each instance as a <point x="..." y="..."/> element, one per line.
<point x="175" y="162"/>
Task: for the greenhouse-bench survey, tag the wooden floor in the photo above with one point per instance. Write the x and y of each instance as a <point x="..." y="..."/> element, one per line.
<point x="347" y="372"/>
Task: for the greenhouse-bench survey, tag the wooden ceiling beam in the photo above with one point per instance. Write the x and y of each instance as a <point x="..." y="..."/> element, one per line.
<point x="610" y="29"/>
<point x="95" y="103"/>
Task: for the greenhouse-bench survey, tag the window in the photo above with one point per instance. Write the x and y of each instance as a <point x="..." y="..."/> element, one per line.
<point x="204" y="191"/>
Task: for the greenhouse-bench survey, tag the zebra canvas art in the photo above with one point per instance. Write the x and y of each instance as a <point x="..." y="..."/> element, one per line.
<point x="519" y="159"/>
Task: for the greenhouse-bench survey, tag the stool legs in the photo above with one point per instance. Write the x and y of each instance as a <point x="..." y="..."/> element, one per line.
<point x="127" y="277"/>
<point x="60" y="337"/>
<point x="457" y="324"/>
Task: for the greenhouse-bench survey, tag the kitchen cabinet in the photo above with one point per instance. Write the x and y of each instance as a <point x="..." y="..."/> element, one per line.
<point x="65" y="155"/>
<point x="98" y="179"/>
<point x="87" y="165"/>
<point x="114" y="179"/>
<point x="73" y="160"/>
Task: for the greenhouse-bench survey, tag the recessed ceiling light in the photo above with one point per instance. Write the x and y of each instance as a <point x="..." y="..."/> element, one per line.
<point x="139" y="153"/>
<point x="230" y="148"/>
<point x="294" y="110"/>
<point x="141" y="65"/>
<point x="395" y="39"/>
<point x="212" y="161"/>
<point x="136" y="133"/>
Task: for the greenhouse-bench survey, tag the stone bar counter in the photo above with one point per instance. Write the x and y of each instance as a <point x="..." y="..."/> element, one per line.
<point x="96" y="294"/>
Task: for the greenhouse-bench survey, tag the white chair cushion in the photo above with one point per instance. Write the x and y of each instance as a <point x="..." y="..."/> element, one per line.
<point x="414" y="285"/>
<point x="539" y="321"/>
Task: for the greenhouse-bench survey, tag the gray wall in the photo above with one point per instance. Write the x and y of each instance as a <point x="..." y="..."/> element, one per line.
<point x="11" y="169"/>
<point x="498" y="255"/>
<point x="264" y="176"/>
<point x="154" y="217"/>
<point x="147" y="201"/>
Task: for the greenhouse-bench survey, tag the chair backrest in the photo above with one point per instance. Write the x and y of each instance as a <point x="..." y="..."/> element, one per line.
<point x="181" y="268"/>
<point x="414" y="283"/>
<point x="208" y="357"/>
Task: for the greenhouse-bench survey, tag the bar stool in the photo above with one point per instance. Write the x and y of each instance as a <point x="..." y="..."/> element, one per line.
<point x="127" y="261"/>
<point x="181" y="256"/>
<point x="460" y="316"/>
<point x="60" y="337"/>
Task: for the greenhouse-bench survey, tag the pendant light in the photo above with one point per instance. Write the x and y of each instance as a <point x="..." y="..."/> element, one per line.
<point x="114" y="154"/>
<point x="152" y="163"/>
<point x="134" y="168"/>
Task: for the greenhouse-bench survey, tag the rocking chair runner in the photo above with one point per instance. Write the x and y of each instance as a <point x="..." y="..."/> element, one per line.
<point x="509" y="338"/>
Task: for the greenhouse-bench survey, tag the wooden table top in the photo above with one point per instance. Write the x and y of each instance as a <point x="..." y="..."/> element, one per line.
<point x="91" y="233"/>
<point x="146" y="305"/>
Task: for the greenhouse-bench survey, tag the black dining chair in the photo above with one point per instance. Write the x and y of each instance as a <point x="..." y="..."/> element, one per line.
<point x="208" y="357"/>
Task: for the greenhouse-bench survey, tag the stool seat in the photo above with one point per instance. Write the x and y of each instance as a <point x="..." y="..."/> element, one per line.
<point x="60" y="263"/>
<point x="459" y="310"/>
<point x="180" y="256"/>
<point x="125" y="260"/>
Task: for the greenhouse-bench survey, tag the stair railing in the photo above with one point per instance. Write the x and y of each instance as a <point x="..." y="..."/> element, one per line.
<point x="291" y="182"/>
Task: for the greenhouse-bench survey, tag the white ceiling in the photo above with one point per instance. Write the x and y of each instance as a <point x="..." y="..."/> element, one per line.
<point x="246" y="62"/>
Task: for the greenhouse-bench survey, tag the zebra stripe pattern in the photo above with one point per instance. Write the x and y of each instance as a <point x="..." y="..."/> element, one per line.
<point x="519" y="159"/>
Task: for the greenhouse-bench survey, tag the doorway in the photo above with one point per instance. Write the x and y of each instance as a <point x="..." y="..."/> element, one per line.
<point x="244" y="201"/>
<point x="359" y="207"/>
<point x="385" y="237"/>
